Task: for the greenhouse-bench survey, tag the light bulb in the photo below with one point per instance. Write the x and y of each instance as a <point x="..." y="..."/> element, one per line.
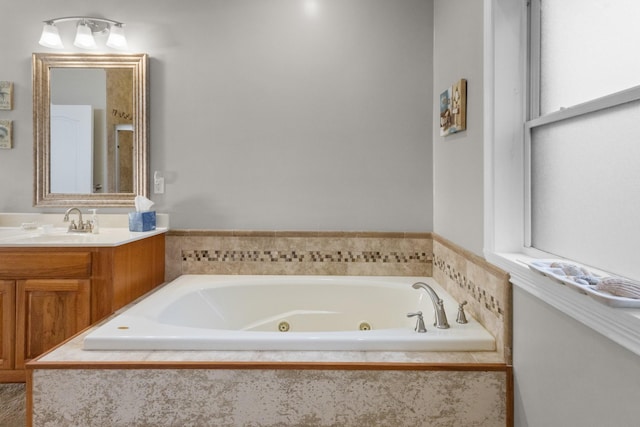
<point x="116" y="38"/>
<point x="84" y="36"/>
<point x="50" y="36"/>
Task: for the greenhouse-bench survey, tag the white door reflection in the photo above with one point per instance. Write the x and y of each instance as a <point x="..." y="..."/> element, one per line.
<point x="71" y="149"/>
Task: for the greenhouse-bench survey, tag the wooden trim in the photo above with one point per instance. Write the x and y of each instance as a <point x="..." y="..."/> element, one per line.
<point x="8" y="324"/>
<point x="29" y="398"/>
<point x="41" y="265"/>
<point x="510" y="397"/>
<point x="12" y="376"/>
<point x="323" y="366"/>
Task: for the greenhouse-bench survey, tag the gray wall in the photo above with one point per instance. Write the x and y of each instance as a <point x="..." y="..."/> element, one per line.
<point x="458" y="167"/>
<point x="566" y="374"/>
<point x="263" y="117"/>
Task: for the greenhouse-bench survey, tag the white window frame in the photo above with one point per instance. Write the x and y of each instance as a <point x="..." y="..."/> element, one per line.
<point x="507" y="174"/>
<point x="536" y="119"/>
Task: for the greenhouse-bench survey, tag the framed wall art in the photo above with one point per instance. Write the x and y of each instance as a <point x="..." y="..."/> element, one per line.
<point x="453" y="108"/>
<point x="6" y="95"/>
<point x="5" y="134"/>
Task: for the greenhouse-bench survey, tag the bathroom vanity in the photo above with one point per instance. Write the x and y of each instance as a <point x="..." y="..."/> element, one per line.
<point x="55" y="284"/>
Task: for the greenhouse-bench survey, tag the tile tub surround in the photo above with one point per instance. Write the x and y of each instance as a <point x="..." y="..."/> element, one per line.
<point x="486" y="288"/>
<point x="295" y="388"/>
<point x="466" y="276"/>
<point x="269" y="397"/>
<point x="69" y="386"/>
<point x="310" y="253"/>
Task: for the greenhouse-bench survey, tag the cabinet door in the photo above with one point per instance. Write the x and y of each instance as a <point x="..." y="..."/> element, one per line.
<point x="48" y="312"/>
<point x="7" y="325"/>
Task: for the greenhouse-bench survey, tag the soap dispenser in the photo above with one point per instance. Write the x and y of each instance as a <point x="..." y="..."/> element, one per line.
<point x="95" y="227"/>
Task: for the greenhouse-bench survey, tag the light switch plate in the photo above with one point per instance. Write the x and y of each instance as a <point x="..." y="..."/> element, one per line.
<point x="158" y="183"/>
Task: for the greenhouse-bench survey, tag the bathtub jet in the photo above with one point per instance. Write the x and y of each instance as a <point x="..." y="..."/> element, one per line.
<point x="299" y="313"/>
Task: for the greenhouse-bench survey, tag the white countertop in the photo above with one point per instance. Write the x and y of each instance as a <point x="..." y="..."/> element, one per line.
<point x="9" y="237"/>
<point x="49" y="230"/>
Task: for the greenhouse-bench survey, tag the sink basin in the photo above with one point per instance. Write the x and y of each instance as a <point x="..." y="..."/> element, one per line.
<point x="53" y="238"/>
<point x="11" y="232"/>
<point x="55" y="235"/>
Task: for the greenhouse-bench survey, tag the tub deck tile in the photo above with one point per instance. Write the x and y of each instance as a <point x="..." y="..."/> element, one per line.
<point x="72" y="351"/>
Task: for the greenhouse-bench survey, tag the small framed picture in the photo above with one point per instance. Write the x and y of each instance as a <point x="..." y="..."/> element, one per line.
<point x="5" y="134"/>
<point x="6" y="95"/>
<point x="453" y="108"/>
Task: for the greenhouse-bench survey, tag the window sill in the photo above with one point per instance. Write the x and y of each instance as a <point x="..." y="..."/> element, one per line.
<point x="621" y="325"/>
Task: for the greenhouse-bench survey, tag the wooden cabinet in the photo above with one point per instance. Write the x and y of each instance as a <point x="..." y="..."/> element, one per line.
<point x="7" y="329"/>
<point x="49" y="294"/>
<point x="47" y="313"/>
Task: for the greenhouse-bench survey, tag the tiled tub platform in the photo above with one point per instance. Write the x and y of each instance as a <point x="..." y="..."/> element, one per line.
<point x="69" y="386"/>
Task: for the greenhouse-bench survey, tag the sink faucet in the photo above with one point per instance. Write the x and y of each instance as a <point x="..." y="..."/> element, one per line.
<point x="81" y="227"/>
<point x="438" y="305"/>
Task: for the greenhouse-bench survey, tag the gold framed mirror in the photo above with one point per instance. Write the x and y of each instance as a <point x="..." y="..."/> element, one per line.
<point x="90" y="129"/>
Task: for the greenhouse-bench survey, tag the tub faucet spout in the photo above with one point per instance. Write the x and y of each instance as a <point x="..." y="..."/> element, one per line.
<point x="438" y="305"/>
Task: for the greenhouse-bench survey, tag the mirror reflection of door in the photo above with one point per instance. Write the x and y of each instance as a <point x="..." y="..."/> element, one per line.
<point x="71" y="153"/>
<point x="124" y="158"/>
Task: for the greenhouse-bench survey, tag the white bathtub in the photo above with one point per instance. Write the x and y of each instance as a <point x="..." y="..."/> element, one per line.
<point x="212" y="312"/>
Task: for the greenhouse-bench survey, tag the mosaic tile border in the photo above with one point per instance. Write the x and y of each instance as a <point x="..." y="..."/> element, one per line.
<point x="306" y="256"/>
<point x="289" y="252"/>
<point x="486" y="287"/>
<point x="474" y="291"/>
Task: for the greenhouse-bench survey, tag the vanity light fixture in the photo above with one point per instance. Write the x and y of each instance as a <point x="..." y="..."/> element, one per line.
<point x="86" y="29"/>
<point x="50" y="36"/>
<point x="84" y="36"/>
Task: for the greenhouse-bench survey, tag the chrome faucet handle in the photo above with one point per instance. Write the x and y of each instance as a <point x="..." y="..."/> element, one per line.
<point x="85" y="226"/>
<point x="419" y="322"/>
<point x="441" y="316"/>
<point x="462" y="318"/>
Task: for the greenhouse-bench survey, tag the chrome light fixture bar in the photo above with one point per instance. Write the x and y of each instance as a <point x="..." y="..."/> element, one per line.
<point x="86" y="28"/>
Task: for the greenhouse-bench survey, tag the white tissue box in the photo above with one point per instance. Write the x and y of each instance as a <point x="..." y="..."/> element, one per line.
<point x="142" y="221"/>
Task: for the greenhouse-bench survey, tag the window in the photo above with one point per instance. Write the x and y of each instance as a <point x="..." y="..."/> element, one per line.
<point x="583" y="133"/>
